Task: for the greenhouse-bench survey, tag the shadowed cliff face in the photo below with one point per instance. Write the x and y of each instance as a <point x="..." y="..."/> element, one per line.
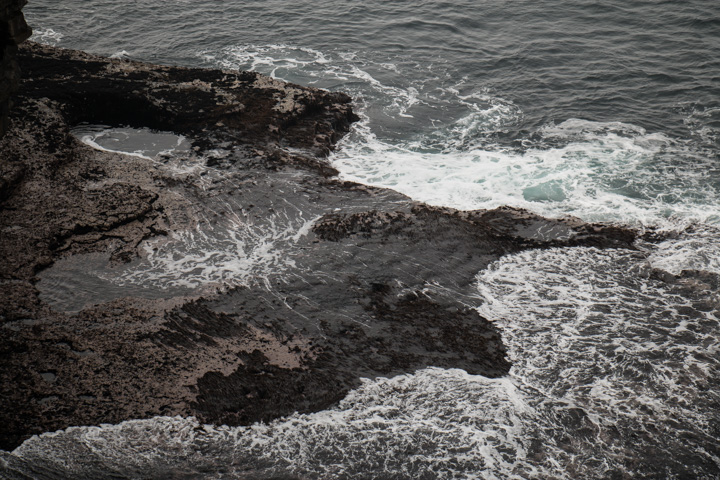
<point x="13" y="31"/>
<point x="275" y="287"/>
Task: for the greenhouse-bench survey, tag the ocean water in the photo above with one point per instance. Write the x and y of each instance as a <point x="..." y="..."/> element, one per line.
<point x="607" y="111"/>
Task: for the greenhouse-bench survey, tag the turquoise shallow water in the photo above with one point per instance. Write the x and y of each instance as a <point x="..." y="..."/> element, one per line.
<point x="607" y="111"/>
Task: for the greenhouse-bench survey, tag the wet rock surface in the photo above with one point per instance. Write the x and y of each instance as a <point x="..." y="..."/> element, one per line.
<point x="302" y="283"/>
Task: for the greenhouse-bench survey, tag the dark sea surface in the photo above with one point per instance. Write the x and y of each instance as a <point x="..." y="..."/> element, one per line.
<point x="608" y="111"/>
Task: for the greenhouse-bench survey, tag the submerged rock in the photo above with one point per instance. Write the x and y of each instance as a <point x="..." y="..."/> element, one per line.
<point x="273" y="287"/>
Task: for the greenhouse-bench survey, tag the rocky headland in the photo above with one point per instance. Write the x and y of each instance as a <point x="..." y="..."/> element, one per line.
<point x="361" y="281"/>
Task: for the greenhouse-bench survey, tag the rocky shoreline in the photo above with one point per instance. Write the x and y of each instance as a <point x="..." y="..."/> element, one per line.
<point x="367" y="283"/>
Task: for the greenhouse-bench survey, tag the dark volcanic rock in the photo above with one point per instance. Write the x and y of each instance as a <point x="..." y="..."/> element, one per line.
<point x="312" y="283"/>
<point x="13" y="31"/>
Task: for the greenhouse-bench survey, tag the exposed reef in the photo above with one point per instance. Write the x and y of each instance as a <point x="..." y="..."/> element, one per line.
<point x="334" y="281"/>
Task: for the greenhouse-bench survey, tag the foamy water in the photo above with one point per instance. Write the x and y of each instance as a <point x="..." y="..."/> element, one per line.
<point x="598" y="171"/>
<point x="602" y="172"/>
<point x="236" y="251"/>
<point x="631" y="362"/>
<point x="610" y="373"/>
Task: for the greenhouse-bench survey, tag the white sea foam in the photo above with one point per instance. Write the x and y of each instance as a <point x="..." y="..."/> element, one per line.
<point x="484" y="114"/>
<point x="228" y="247"/>
<point x="90" y="140"/>
<point x="122" y="54"/>
<point x="634" y="357"/>
<point x="47" y="36"/>
<point x="702" y="121"/>
<point x="695" y="250"/>
<point x="603" y="172"/>
<point x="598" y="171"/>
<point x="312" y="67"/>
<point x="427" y="425"/>
<point x="274" y="60"/>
